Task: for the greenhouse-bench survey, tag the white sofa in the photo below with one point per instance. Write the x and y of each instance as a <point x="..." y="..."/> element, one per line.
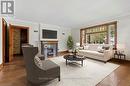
<point x="96" y="51"/>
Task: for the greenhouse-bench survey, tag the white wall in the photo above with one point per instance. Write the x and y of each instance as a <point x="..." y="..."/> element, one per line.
<point x="0" y="40"/>
<point x="123" y="31"/>
<point x="76" y="35"/>
<point x="61" y="38"/>
<point x="123" y="35"/>
<point x="33" y="36"/>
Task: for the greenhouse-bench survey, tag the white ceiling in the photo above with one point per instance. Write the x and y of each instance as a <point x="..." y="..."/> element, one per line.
<point x="69" y="13"/>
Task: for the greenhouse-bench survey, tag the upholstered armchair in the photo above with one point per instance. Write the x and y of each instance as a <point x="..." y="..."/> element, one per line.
<point x="39" y="74"/>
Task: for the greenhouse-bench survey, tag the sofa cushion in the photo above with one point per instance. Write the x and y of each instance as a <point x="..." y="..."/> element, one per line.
<point x="93" y="47"/>
<point x="86" y="47"/>
<point x="92" y="52"/>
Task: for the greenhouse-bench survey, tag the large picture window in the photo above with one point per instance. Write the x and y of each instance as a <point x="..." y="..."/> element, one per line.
<point x="100" y="34"/>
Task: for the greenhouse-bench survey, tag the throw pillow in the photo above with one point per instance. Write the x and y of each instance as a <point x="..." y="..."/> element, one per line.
<point x="105" y="47"/>
<point x="86" y="47"/>
<point x="42" y="57"/>
<point x="99" y="48"/>
<point x="101" y="51"/>
<point x="37" y="61"/>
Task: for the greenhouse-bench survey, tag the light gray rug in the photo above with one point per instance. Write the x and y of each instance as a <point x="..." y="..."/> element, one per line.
<point x="89" y="75"/>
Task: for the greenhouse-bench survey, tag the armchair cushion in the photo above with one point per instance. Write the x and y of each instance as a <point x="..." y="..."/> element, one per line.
<point x="44" y="64"/>
<point x="47" y="64"/>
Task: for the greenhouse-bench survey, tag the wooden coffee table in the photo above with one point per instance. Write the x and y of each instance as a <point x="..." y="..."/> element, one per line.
<point x="71" y="57"/>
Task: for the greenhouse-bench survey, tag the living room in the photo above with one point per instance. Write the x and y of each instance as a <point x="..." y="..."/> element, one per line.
<point x="75" y="52"/>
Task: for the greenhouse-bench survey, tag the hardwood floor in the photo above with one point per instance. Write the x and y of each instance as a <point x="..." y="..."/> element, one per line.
<point x="13" y="74"/>
<point x="119" y="77"/>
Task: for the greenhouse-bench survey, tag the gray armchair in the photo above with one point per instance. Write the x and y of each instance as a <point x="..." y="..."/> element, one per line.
<point x="35" y="74"/>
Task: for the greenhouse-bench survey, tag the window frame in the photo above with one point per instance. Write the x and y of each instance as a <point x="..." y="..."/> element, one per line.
<point x="105" y="24"/>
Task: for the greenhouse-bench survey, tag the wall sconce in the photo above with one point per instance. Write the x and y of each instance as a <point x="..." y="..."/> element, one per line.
<point x="35" y="30"/>
<point x="63" y="33"/>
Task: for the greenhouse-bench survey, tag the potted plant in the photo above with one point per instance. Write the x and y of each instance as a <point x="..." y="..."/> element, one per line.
<point x="70" y="43"/>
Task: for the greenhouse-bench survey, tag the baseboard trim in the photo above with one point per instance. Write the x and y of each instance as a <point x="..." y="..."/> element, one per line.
<point x="1" y="67"/>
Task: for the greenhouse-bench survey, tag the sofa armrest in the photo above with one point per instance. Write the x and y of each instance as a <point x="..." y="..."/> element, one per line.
<point x="79" y="48"/>
<point x="108" y="53"/>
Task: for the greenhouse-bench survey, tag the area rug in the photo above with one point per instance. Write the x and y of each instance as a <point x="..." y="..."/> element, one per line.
<point x="74" y="74"/>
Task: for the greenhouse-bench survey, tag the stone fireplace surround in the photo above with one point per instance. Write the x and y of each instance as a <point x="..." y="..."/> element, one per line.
<point x="49" y="48"/>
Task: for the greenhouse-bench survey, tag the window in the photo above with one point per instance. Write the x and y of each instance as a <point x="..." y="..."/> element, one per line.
<point x="100" y="34"/>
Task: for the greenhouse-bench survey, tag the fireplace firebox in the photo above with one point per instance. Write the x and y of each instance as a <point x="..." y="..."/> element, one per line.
<point x="49" y="48"/>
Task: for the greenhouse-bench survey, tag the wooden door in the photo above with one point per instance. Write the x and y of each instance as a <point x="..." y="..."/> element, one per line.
<point x="10" y="42"/>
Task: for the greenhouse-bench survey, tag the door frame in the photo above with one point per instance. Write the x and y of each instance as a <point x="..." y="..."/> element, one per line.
<point x="4" y="23"/>
<point x="11" y="29"/>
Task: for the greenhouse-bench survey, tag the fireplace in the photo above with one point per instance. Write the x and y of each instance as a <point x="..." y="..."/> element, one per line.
<point x="50" y="52"/>
<point x="49" y="48"/>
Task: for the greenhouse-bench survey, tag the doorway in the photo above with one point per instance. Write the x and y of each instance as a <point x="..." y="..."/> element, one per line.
<point x="5" y="43"/>
<point x="18" y="35"/>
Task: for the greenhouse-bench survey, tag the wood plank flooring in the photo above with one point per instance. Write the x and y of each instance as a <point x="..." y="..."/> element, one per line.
<point x="13" y="74"/>
<point x="119" y="77"/>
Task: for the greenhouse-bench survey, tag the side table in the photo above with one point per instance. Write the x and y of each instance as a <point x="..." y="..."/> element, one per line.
<point x="120" y="55"/>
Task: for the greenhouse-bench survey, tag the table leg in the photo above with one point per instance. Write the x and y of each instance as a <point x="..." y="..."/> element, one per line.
<point x="66" y="61"/>
<point x="114" y="55"/>
<point x="82" y="62"/>
<point x="124" y="57"/>
<point x="119" y="56"/>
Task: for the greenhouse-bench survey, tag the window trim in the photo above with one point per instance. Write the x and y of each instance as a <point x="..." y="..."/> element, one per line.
<point x="105" y="24"/>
